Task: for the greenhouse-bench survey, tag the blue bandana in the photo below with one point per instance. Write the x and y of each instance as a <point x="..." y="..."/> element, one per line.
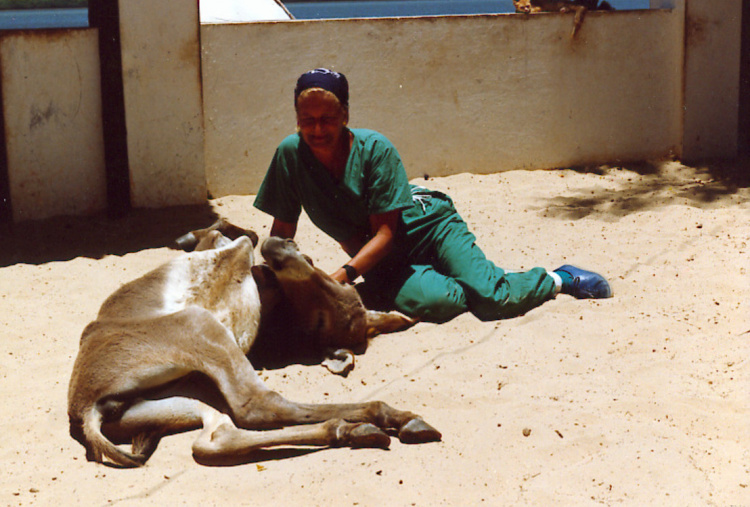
<point x="334" y="82"/>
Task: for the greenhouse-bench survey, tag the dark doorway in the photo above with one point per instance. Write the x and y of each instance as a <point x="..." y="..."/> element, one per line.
<point x="105" y="15"/>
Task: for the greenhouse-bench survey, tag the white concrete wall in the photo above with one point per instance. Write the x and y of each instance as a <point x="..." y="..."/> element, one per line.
<point x="53" y="125"/>
<point x="164" y="116"/>
<point x="455" y="94"/>
<point x="712" y="78"/>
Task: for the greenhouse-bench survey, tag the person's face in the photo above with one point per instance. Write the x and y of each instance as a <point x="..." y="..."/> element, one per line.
<point x="321" y="120"/>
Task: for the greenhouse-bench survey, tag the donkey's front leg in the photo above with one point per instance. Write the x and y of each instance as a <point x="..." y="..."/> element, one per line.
<point x="255" y="406"/>
<point x="271" y="410"/>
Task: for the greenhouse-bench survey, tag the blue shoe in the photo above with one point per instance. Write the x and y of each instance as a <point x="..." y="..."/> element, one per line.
<point x="583" y="284"/>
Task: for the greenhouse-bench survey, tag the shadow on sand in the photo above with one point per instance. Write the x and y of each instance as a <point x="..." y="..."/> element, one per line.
<point x="64" y="238"/>
<point x="651" y="185"/>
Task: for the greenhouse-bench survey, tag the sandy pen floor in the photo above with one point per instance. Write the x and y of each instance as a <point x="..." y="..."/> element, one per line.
<point x="642" y="399"/>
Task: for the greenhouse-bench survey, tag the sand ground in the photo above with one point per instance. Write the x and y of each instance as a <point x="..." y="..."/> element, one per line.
<point x="642" y="399"/>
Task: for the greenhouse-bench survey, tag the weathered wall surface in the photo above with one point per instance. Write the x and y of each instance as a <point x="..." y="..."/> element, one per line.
<point x="712" y="77"/>
<point x="53" y="125"/>
<point x="455" y="94"/>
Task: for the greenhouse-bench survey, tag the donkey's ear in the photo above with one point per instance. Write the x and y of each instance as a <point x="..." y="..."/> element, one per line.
<point x="390" y="322"/>
<point x="269" y="288"/>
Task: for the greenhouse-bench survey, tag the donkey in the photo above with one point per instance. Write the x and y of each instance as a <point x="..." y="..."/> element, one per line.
<point x="167" y="353"/>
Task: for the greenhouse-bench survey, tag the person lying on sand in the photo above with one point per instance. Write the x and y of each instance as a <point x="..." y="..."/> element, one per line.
<point x="415" y="252"/>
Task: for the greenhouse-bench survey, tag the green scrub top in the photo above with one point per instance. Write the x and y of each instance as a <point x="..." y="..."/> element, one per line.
<point x="374" y="182"/>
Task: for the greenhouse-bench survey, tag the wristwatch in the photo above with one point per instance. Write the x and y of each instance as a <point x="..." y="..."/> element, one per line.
<point x="351" y="273"/>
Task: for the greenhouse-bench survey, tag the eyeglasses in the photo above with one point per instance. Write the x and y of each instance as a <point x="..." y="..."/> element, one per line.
<point x="309" y="122"/>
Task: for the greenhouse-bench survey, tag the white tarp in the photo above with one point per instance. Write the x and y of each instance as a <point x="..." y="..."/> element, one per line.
<point x="242" y="11"/>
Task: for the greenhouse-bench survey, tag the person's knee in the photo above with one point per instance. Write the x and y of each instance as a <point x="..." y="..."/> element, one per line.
<point x="433" y="302"/>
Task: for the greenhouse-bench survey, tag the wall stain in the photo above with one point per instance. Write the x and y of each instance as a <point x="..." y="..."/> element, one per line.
<point x="695" y="30"/>
<point x="40" y="116"/>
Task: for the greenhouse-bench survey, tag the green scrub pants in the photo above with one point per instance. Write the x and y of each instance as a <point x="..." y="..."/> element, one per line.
<point x="443" y="273"/>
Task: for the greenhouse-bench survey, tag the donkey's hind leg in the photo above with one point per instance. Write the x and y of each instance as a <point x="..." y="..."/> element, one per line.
<point x="147" y="420"/>
<point x="225" y="440"/>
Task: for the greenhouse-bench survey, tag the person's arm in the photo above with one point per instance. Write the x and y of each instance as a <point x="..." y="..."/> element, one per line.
<point x="365" y="257"/>
<point x="285" y="230"/>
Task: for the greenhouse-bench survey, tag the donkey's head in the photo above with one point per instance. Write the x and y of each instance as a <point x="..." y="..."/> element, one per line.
<point x="332" y="313"/>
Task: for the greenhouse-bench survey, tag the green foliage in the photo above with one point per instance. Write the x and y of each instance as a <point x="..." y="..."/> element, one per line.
<point x="42" y="4"/>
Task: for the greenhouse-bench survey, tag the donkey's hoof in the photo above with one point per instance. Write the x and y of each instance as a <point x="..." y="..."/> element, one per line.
<point x="186" y="242"/>
<point x="339" y="361"/>
<point x="417" y="431"/>
<point x="369" y="435"/>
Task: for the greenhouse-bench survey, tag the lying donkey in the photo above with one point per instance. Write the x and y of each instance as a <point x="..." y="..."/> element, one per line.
<point x="166" y="353"/>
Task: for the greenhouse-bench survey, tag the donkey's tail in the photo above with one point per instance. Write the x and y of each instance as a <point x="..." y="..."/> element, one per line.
<point x="98" y="446"/>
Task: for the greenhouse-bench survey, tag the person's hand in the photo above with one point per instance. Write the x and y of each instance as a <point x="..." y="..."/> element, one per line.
<point x="340" y="276"/>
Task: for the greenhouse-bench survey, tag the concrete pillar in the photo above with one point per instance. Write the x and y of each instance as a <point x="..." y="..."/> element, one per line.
<point x="712" y="78"/>
<point x="163" y="103"/>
